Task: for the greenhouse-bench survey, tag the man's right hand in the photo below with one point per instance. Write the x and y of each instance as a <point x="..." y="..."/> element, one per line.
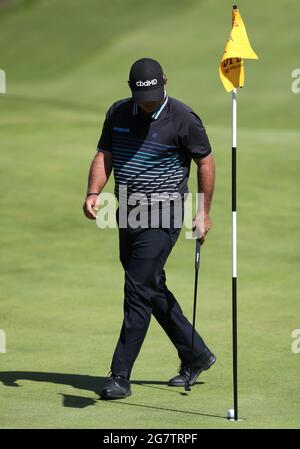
<point x="90" y="206"/>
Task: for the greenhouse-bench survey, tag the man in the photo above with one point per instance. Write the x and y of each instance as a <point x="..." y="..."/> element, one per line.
<point x="149" y="141"/>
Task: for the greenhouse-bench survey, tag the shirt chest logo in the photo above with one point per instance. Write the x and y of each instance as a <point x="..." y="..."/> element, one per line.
<point x="121" y="130"/>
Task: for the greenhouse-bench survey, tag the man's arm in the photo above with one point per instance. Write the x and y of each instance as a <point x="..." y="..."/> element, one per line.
<point x="100" y="171"/>
<point x="206" y="182"/>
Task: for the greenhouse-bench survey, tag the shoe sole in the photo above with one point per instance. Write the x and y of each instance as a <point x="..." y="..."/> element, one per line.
<point x="108" y="397"/>
<point x="195" y="377"/>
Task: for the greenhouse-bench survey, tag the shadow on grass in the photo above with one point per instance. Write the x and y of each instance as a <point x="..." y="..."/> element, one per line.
<point x="77" y="401"/>
<point x="171" y="410"/>
<point x="80" y="381"/>
<point x="88" y="383"/>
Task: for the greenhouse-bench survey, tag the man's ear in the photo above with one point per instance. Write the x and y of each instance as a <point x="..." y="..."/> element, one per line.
<point x="165" y="79"/>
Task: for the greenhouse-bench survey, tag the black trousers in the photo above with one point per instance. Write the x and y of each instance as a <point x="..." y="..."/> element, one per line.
<point x="143" y="253"/>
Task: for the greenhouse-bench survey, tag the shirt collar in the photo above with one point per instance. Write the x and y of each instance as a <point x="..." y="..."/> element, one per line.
<point x="156" y="113"/>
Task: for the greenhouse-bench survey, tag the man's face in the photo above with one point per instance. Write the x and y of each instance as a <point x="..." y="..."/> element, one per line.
<point x="149" y="106"/>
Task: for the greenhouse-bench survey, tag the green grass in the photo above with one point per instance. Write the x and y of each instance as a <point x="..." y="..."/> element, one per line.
<point x="61" y="282"/>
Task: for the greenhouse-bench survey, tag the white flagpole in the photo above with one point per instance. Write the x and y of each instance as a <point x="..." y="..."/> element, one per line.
<point x="234" y="254"/>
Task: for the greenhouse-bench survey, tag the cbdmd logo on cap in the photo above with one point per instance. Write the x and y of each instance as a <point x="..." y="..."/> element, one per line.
<point x="147" y="83"/>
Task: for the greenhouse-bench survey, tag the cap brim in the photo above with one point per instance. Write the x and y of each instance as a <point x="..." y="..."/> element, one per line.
<point x="141" y="96"/>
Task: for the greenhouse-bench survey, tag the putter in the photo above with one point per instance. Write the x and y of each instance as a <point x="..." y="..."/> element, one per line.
<point x="187" y="386"/>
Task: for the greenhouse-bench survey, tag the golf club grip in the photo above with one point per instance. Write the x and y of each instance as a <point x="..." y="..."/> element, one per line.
<point x="197" y="254"/>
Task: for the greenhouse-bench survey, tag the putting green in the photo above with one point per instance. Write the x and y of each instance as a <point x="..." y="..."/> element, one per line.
<point x="61" y="282"/>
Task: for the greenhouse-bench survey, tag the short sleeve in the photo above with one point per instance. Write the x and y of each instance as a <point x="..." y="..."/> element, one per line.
<point x="105" y="141"/>
<point x="193" y="137"/>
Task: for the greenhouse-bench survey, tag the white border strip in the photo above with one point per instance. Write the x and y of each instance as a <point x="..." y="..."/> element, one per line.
<point x="234" y="121"/>
<point x="234" y="245"/>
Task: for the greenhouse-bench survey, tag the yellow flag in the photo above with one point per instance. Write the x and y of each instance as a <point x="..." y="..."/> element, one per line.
<point x="237" y="47"/>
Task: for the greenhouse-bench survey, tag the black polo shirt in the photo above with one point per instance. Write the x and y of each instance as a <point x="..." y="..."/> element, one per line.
<point x="152" y="153"/>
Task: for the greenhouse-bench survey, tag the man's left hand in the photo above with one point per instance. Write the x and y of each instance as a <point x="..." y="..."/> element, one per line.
<point x="201" y="225"/>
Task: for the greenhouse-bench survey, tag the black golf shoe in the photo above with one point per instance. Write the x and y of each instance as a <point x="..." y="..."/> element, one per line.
<point x="184" y="372"/>
<point x="117" y="387"/>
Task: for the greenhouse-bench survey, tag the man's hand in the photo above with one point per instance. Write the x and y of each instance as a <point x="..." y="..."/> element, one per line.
<point x="90" y="206"/>
<point x="201" y="226"/>
<point x="100" y="170"/>
<point x="206" y="181"/>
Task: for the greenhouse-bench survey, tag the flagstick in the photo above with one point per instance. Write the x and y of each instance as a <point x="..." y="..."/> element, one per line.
<point x="234" y="255"/>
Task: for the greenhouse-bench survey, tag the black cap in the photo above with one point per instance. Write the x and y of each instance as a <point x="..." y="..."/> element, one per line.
<point x="146" y="81"/>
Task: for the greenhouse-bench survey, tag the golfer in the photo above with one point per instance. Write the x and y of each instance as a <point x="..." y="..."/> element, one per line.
<point x="149" y="141"/>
